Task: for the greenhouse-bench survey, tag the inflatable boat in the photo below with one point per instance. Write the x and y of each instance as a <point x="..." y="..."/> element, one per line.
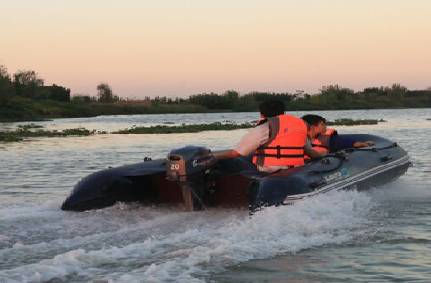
<point x="192" y="178"/>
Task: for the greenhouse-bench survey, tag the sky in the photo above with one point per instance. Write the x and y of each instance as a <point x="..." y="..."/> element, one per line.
<point x="182" y="47"/>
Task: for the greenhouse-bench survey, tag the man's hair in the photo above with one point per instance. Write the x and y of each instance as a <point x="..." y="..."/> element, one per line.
<point x="271" y="108"/>
<point x="313" y="120"/>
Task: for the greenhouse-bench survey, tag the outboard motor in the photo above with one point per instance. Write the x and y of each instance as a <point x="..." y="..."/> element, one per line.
<point x="189" y="166"/>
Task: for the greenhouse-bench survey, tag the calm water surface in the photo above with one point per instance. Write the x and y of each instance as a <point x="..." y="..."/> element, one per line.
<point x="381" y="235"/>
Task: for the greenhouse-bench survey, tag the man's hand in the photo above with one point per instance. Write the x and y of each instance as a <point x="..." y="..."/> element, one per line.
<point x="360" y="144"/>
<point x="312" y="153"/>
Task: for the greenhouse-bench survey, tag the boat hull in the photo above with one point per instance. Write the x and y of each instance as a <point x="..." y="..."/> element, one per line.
<point x="236" y="183"/>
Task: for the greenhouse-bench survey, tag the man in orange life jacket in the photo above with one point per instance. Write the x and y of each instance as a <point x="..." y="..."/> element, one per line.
<point x="325" y="140"/>
<point x="277" y="142"/>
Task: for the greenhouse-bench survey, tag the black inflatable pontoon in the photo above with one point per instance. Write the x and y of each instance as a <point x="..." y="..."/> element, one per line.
<point x="191" y="176"/>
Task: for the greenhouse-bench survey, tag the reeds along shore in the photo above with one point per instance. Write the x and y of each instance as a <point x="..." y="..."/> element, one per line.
<point x="33" y="130"/>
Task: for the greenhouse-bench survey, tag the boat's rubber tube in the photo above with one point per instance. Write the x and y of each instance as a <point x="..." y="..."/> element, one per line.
<point x="236" y="181"/>
<point x="358" y="168"/>
<point x="134" y="182"/>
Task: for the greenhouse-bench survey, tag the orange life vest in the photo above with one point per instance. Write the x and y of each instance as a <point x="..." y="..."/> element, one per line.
<point x="321" y="142"/>
<point x="285" y="146"/>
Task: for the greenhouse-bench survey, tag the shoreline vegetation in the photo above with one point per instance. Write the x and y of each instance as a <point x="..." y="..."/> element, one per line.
<point x="25" y="97"/>
<point x="34" y="131"/>
<point x="24" y="132"/>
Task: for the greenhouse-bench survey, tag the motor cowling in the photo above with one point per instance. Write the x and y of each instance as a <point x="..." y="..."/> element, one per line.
<point x="188" y="166"/>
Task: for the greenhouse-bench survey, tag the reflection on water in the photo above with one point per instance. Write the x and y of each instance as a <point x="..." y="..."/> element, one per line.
<point x="379" y="235"/>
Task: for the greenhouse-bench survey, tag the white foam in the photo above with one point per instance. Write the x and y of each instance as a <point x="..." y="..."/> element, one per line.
<point x="206" y="242"/>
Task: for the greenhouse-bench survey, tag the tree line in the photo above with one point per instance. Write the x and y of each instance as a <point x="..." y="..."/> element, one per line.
<point x="330" y="97"/>
<point x="24" y="95"/>
<point x="27" y="83"/>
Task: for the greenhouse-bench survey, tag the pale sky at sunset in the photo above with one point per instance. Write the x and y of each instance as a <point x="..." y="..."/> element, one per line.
<point x="177" y="48"/>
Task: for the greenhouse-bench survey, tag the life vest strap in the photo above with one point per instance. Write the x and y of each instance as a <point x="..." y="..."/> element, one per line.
<point x="279" y="156"/>
<point x="279" y="148"/>
<point x="283" y="147"/>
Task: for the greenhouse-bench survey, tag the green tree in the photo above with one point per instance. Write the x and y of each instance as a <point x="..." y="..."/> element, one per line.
<point x="5" y="81"/>
<point x="231" y="96"/>
<point x="211" y="100"/>
<point x="85" y="98"/>
<point x="336" y="92"/>
<point x="26" y="83"/>
<point x="397" y="90"/>
<point x="58" y="93"/>
<point x="105" y="94"/>
<point x="3" y="73"/>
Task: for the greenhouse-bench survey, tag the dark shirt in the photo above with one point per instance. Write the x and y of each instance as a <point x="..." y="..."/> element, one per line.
<point x="340" y="142"/>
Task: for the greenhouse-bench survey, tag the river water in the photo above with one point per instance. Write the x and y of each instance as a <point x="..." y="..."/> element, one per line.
<point x="380" y="235"/>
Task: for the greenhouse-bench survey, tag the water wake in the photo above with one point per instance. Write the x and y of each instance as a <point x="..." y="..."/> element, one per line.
<point x="132" y="244"/>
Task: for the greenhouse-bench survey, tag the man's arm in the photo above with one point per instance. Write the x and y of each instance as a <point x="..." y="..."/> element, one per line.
<point x="248" y="143"/>
<point x="312" y="153"/>
<point x="226" y="154"/>
<point x="308" y="150"/>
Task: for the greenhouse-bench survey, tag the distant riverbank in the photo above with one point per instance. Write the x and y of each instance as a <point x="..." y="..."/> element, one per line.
<point x="18" y="109"/>
<point x="24" y="97"/>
